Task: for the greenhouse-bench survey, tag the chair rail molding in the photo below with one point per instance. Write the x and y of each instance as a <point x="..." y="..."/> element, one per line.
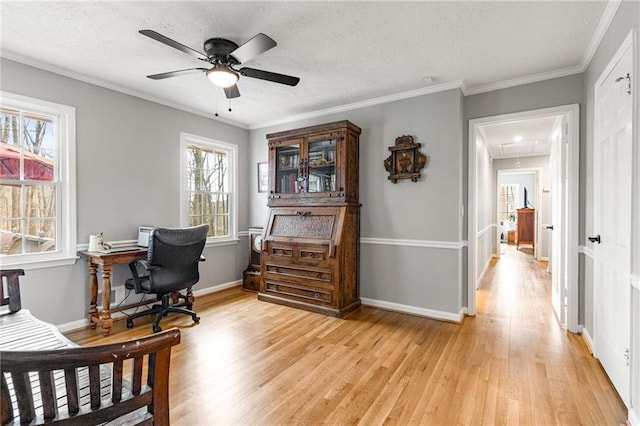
<point x="451" y="245"/>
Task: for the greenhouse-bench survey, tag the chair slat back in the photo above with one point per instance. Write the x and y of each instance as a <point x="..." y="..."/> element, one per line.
<point x="12" y="295"/>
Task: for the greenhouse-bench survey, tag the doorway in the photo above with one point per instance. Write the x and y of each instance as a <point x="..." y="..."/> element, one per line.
<point x="565" y="122"/>
<point x="518" y="189"/>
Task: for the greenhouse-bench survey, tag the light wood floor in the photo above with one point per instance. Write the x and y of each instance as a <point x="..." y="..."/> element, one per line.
<point x="255" y="363"/>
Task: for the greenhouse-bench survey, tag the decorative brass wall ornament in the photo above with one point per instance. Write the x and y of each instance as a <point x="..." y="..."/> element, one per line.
<point x="405" y="161"/>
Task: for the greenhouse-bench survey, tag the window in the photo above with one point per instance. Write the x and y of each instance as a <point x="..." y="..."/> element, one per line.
<point x="508" y="197"/>
<point x="37" y="182"/>
<point x="209" y="186"/>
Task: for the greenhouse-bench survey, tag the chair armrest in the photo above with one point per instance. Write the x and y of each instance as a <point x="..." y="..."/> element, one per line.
<point x="137" y="279"/>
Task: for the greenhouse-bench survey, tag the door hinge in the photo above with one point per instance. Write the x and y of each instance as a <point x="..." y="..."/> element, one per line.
<point x="627" y="355"/>
<point x="628" y="78"/>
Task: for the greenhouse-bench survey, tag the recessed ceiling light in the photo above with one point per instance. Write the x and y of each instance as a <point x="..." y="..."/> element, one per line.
<point x="517" y="138"/>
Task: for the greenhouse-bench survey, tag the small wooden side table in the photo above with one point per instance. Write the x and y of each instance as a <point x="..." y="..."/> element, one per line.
<point x="105" y="261"/>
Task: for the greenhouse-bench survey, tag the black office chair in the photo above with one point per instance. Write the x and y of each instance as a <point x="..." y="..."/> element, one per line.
<point x="172" y="263"/>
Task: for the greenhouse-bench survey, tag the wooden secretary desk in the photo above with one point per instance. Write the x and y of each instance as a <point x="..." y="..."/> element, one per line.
<point x="310" y="247"/>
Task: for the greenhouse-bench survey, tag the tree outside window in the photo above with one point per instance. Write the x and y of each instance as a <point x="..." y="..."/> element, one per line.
<point x="209" y="176"/>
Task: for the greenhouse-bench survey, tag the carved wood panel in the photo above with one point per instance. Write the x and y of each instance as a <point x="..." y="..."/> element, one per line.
<point x="315" y="226"/>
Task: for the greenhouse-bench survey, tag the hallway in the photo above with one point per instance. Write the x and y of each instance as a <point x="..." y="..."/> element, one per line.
<point x="544" y="374"/>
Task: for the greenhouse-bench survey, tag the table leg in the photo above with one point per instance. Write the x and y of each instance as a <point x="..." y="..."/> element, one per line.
<point x="93" y="294"/>
<point x="105" y="315"/>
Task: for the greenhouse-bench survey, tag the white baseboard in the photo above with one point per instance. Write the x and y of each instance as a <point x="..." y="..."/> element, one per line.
<point x="217" y="288"/>
<point x="486" y="266"/>
<point x="73" y="325"/>
<point x="415" y="310"/>
<point x="634" y="417"/>
<point x="82" y="323"/>
<point x="588" y="340"/>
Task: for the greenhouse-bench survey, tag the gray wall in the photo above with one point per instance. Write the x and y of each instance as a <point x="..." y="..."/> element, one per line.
<point x="127" y="171"/>
<point x="427" y="210"/>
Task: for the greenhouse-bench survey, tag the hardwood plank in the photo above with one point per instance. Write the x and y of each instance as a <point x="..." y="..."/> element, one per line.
<point x="252" y="362"/>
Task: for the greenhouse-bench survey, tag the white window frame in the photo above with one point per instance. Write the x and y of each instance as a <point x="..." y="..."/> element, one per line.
<point x="187" y="139"/>
<point x="65" y="141"/>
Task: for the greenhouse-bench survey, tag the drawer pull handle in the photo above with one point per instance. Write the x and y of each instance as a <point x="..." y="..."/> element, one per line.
<point x="302" y="213"/>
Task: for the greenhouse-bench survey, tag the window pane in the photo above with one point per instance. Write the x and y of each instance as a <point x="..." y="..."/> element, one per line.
<point x="37" y="133"/>
<point x="10" y="159"/>
<point x="40" y="236"/>
<point x="207" y="170"/>
<point x="9" y="126"/>
<point x="220" y="203"/>
<point x="40" y="201"/>
<point x="198" y="204"/>
<point x="222" y="225"/>
<point x="10" y="202"/>
<point x="10" y="236"/>
<point x="39" y="166"/>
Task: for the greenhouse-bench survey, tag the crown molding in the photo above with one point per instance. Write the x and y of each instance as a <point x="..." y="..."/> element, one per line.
<point x="605" y="21"/>
<point x="533" y="78"/>
<point x="16" y="57"/>
<point x="363" y="104"/>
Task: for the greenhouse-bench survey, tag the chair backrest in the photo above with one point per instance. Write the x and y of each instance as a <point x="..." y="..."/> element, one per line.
<point x="12" y="298"/>
<point x="87" y="385"/>
<point x="173" y="257"/>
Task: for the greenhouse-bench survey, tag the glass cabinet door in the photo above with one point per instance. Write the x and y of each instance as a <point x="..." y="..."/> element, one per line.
<point x="287" y="169"/>
<point x="321" y="166"/>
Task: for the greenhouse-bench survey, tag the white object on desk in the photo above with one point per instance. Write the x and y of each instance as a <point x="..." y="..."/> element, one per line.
<point x="143" y="235"/>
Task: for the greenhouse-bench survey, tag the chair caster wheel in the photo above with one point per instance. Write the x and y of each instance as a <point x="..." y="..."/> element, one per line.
<point x="196" y="319"/>
<point x="156" y="329"/>
<point x="129" y="324"/>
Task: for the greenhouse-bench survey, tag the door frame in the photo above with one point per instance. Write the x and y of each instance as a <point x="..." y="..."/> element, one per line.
<point x="572" y="112"/>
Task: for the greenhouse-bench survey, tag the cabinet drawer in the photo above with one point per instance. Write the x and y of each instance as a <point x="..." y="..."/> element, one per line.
<point x="317" y="255"/>
<point x="281" y="251"/>
<point x="311" y="253"/>
<point x="299" y="291"/>
<point x="290" y="271"/>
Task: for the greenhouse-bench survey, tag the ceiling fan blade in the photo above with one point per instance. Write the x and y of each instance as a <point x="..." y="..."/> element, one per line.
<point x="269" y="76"/>
<point x="232" y="92"/>
<point x="172" y="43"/>
<point x="252" y="48"/>
<point x="175" y="73"/>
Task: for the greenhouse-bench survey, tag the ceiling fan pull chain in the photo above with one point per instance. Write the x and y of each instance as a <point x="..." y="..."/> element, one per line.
<point x="216" y="92"/>
<point x="229" y="104"/>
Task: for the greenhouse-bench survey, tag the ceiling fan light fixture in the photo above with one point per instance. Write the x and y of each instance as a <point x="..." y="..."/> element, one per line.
<point x="222" y="76"/>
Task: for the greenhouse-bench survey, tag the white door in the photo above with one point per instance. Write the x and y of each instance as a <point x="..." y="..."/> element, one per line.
<point x="612" y="222"/>
<point x="558" y="193"/>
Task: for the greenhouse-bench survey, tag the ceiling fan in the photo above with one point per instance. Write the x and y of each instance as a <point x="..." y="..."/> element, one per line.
<point x="224" y="55"/>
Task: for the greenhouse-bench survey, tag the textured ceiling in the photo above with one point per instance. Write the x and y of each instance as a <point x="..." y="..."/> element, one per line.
<point x="344" y="52"/>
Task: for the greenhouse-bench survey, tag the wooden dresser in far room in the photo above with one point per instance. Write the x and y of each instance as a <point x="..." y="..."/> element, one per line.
<point x="526" y="227"/>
